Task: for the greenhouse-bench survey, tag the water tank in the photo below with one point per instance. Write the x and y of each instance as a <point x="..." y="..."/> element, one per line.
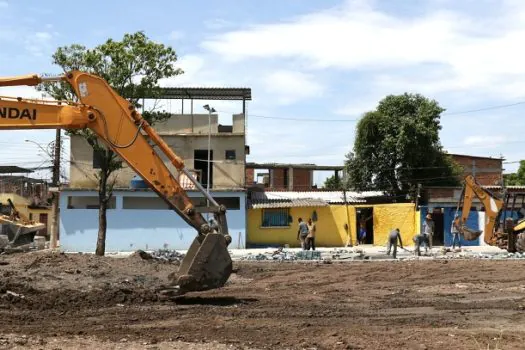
<point x="137" y="182"/>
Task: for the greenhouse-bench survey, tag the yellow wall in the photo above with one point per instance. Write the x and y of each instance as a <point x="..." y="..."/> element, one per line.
<point x="331" y="225"/>
<point x="388" y="217"/>
<point x="22" y="204"/>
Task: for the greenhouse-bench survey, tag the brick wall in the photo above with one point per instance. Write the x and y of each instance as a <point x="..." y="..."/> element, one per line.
<point x="250" y="174"/>
<point x="488" y="171"/>
<point x="436" y="192"/>
<point x="277" y="180"/>
<point x="302" y="180"/>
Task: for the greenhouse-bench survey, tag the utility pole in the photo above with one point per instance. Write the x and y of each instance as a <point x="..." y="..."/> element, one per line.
<point x="210" y="111"/>
<point x="56" y="193"/>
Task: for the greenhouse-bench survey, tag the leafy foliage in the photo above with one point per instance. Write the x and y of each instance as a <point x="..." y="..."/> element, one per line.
<point x="397" y="146"/>
<point x="517" y="178"/>
<point x="133" y="67"/>
<point x="333" y="183"/>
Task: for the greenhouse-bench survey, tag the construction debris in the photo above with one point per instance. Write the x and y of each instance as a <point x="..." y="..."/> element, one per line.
<point x="161" y="254"/>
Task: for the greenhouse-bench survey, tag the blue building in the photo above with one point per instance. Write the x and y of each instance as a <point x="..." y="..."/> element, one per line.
<point x="138" y="219"/>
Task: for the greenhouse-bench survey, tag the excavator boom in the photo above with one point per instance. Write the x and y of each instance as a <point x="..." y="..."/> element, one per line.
<point x="492" y="206"/>
<point x="122" y="129"/>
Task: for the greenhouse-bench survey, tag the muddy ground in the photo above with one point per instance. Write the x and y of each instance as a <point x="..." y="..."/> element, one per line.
<point x="57" y="301"/>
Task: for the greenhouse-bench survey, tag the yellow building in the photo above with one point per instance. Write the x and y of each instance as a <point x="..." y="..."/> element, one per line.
<point x="23" y="205"/>
<point x="273" y="218"/>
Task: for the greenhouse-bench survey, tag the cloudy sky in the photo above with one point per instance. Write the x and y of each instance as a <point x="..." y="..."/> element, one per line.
<point x="314" y="66"/>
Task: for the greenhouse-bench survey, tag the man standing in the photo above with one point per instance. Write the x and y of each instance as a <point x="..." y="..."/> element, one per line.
<point x="455" y="233"/>
<point x="393" y="237"/>
<point x="310" y="239"/>
<point x="302" y="232"/>
<point x="362" y="228"/>
<point x="428" y="230"/>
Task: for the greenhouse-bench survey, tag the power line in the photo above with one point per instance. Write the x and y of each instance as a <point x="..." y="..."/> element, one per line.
<point x="486" y="108"/>
<point x="355" y="120"/>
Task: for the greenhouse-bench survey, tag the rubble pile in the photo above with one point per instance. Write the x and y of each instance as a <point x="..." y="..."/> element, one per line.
<point x="167" y="255"/>
<point x="279" y="255"/>
<point x="472" y="255"/>
<point x="161" y="254"/>
<point x="345" y="254"/>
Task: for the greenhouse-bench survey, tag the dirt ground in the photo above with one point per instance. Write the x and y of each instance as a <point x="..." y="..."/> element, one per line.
<point x="57" y="301"/>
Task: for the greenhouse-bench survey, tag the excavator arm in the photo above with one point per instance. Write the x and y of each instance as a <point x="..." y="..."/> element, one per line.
<point x="492" y="206"/>
<point x="122" y="129"/>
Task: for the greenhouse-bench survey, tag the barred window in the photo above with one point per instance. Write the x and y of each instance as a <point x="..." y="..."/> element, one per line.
<point x="276" y="217"/>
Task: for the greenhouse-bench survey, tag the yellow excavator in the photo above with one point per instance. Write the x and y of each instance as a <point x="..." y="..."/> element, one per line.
<point x="116" y="122"/>
<point x="499" y="230"/>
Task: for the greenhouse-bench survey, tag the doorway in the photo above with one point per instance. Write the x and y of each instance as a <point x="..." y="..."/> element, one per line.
<point x="43" y="220"/>
<point x="439" y="227"/>
<point x="200" y="157"/>
<point x="365" y="219"/>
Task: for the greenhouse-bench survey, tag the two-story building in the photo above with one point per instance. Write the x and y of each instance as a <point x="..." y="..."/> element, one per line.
<point x="137" y="217"/>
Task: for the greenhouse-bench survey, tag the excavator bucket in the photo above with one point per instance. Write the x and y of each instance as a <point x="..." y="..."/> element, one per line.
<point x="207" y="264"/>
<point x="470" y="234"/>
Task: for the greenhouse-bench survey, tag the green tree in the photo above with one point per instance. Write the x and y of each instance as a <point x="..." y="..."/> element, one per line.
<point x="133" y="67"/>
<point x="333" y="183"/>
<point x="517" y="178"/>
<point x="397" y="146"/>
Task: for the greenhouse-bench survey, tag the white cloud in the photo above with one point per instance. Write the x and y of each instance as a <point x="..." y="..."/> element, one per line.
<point x="39" y="43"/>
<point x="43" y="36"/>
<point x="472" y="52"/>
<point x="20" y="91"/>
<point x="486" y="141"/>
<point x="291" y="86"/>
<point x="192" y="66"/>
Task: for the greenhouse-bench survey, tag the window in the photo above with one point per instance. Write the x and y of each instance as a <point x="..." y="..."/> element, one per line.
<point x="88" y="202"/>
<point x="275" y="217"/>
<point x="149" y="203"/>
<point x="231" y="203"/>
<point x="230" y="154"/>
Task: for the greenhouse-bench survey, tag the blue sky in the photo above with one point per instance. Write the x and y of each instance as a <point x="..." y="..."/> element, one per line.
<point x="317" y="61"/>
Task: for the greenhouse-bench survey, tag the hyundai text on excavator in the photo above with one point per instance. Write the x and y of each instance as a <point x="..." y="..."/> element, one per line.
<point x="499" y="230"/>
<point x="207" y="264"/>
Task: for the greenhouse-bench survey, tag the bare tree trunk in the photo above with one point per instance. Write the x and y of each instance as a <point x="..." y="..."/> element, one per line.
<point x="102" y="218"/>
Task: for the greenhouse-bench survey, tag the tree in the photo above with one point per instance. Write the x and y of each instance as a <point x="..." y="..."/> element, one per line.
<point x="133" y="68"/>
<point x="517" y="178"/>
<point x="333" y="183"/>
<point x="397" y="146"/>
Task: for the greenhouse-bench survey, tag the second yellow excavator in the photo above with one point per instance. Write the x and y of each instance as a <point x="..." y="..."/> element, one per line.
<point x="122" y="129"/>
<point x="499" y="230"/>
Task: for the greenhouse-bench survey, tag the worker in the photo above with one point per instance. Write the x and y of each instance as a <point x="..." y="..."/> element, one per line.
<point x="393" y="237"/>
<point x="302" y="232"/>
<point x="455" y="233"/>
<point x="419" y="240"/>
<point x="310" y="239"/>
<point x="428" y="230"/>
<point x="362" y="228"/>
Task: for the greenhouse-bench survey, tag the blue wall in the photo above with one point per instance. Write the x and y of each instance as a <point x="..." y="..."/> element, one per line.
<point x="448" y="216"/>
<point x="472" y="222"/>
<point x="132" y="229"/>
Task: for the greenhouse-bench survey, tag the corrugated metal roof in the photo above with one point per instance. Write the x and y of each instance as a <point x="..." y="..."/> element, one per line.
<point x="495" y="187"/>
<point x="288" y="203"/>
<point x="330" y="197"/>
